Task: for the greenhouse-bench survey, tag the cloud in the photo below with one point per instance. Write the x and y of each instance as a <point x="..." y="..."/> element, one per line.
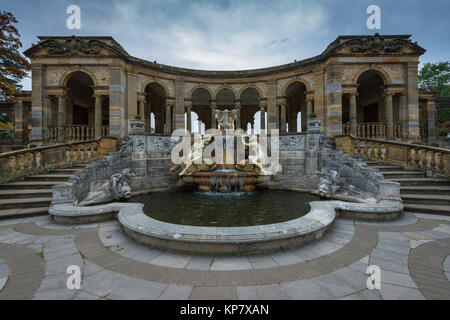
<point x="232" y="34"/>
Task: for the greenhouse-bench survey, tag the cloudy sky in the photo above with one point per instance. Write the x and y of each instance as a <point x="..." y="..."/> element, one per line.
<point x="233" y="34"/>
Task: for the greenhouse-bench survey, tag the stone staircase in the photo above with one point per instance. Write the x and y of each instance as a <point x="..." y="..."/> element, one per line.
<point x="418" y="192"/>
<point x="32" y="195"/>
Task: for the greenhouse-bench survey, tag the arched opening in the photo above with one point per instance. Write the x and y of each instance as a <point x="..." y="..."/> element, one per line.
<point x="296" y="102"/>
<point x="81" y="107"/>
<point x="257" y="122"/>
<point x="155" y="104"/>
<point x="225" y="99"/>
<point x="370" y="105"/>
<point x="201" y="101"/>
<point x="249" y="107"/>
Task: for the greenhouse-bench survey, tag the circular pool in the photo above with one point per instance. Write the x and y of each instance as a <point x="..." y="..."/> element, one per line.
<point x="226" y="209"/>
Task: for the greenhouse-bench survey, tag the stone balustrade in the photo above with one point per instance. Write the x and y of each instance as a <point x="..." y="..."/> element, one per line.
<point x="408" y="155"/>
<point x="373" y="130"/>
<point x="16" y="164"/>
<point x="76" y="133"/>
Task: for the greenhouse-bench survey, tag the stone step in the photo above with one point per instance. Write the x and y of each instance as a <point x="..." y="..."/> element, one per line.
<point x="386" y="168"/>
<point x="65" y="170"/>
<point x="443" y="190"/>
<point x="426" y="208"/>
<point x="29" y="185"/>
<point x="49" y="177"/>
<point x="24" y="203"/>
<point x="422" y="181"/>
<point x="23" y="212"/>
<point x="402" y="174"/>
<point x="25" y="193"/>
<point x="426" y="199"/>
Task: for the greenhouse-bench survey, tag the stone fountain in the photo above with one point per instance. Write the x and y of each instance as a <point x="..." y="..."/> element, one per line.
<point x="222" y="173"/>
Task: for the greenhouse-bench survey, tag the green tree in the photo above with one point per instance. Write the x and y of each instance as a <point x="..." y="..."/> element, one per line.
<point x="436" y="76"/>
<point x="13" y="67"/>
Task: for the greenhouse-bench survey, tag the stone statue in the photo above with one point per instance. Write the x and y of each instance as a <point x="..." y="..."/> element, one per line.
<point x="226" y="118"/>
<point x="329" y="182"/>
<point x="196" y="153"/>
<point x="119" y="186"/>
<point x="116" y="188"/>
<point x="257" y="156"/>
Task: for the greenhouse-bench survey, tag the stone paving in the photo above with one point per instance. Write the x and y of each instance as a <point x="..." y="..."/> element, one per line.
<point x="413" y="254"/>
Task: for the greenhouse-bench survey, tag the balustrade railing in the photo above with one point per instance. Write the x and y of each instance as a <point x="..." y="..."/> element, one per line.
<point x="76" y="133"/>
<point x="408" y="155"/>
<point x="373" y="130"/>
<point x="16" y="164"/>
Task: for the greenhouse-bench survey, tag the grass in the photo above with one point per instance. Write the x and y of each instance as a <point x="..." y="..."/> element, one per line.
<point x="41" y="254"/>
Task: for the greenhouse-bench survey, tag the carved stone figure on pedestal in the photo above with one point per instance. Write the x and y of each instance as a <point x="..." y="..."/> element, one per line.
<point x="116" y="188"/>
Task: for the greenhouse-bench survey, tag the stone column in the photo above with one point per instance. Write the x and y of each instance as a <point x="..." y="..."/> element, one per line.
<point x="333" y="92"/>
<point x="272" y="106"/>
<point x="262" y="120"/>
<point x="389" y="116"/>
<point x="213" y="115"/>
<point x="168" y="118"/>
<point x="117" y="101"/>
<point x="18" y="123"/>
<point x="353" y="114"/>
<point x="412" y="127"/>
<point x="98" y="115"/>
<point x="431" y="118"/>
<point x="309" y="107"/>
<point x="403" y="115"/>
<point x="178" y="108"/>
<point x="61" y="117"/>
<point x="238" y="118"/>
<point x="283" y="117"/>
<point x="37" y="95"/>
<point x="188" y="108"/>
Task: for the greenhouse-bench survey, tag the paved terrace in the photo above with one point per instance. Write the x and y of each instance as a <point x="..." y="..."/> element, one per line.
<point x="412" y="252"/>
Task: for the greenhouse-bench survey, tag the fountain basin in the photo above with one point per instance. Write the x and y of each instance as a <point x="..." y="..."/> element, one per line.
<point x="223" y="181"/>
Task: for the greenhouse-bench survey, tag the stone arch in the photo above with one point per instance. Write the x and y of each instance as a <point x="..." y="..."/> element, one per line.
<point x="68" y="74"/>
<point x="382" y="73"/>
<point x="150" y="81"/>
<point x="261" y="94"/>
<point x="189" y="95"/>
<point x="302" y="81"/>
<point x="214" y="97"/>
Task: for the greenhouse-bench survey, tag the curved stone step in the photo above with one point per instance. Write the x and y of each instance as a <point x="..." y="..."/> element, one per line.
<point x="426" y="199"/>
<point x="22" y="212"/>
<point x="25" y="193"/>
<point x="422" y="181"/>
<point x="24" y="203"/>
<point x="386" y="168"/>
<point x="437" y="190"/>
<point x="29" y="185"/>
<point x="49" y="177"/>
<point x="402" y="174"/>
<point x="426" y="208"/>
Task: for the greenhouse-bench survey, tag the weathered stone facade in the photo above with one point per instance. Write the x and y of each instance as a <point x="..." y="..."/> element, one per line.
<point x="124" y="86"/>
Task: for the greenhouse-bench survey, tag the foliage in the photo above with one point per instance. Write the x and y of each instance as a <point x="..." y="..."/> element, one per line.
<point x="443" y="115"/>
<point x="6" y="135"/>
<point x="13" y="67"/>
<point x="138" y="116"/>
<point x="436" y="76"/>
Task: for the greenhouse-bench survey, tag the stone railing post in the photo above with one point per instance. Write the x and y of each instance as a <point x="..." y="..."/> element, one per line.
<point x="312" y="146"/>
